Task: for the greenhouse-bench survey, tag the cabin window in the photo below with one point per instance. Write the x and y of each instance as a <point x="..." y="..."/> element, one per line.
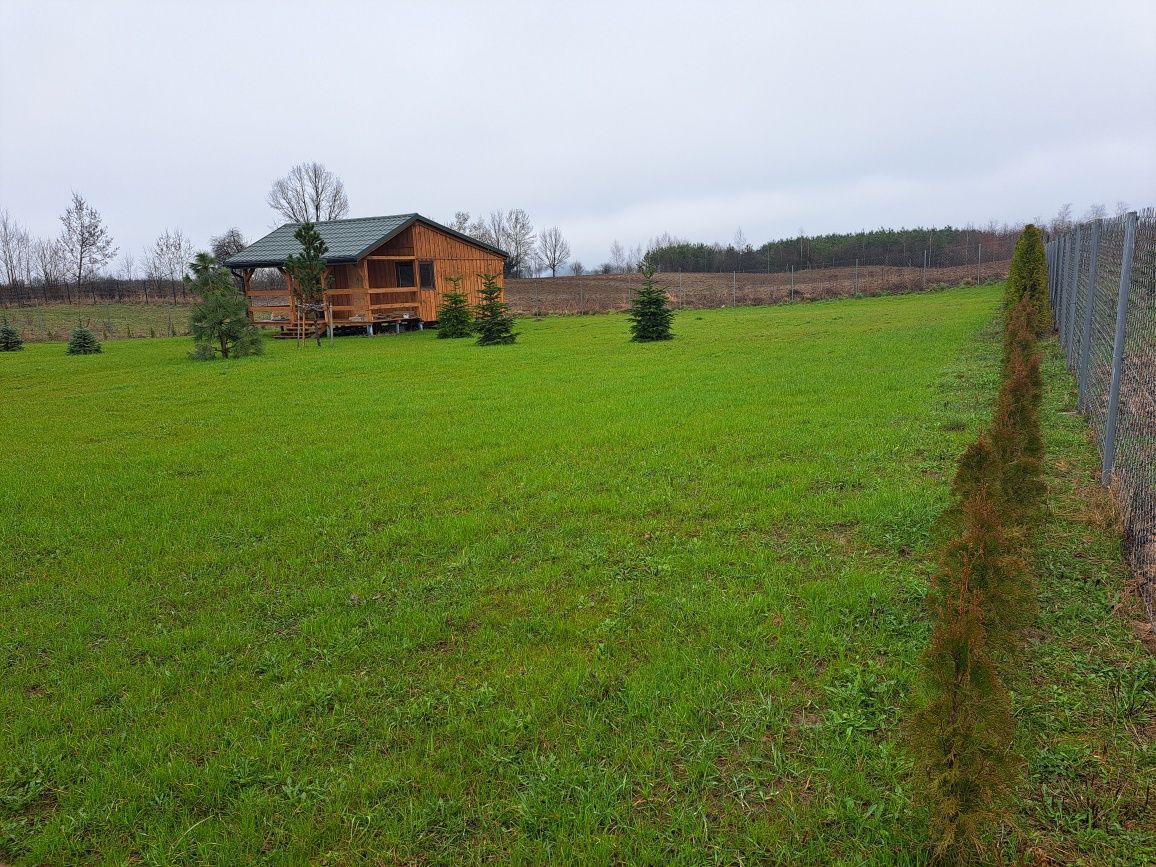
<point x="426" y="275"/>
<point x="405" y="274"/>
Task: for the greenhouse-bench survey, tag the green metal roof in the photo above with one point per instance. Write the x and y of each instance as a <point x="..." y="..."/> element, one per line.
<point x="347" y="240"/>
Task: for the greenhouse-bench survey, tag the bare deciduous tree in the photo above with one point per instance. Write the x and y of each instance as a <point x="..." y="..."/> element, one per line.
<point x="1062" y="221"/>
<point x="576" y="269"/>
<point x="478" y="230"/>
<point x="553" y="249"/>
<point x="50" y="262"/>
<point x="461" y="222"/>
<point x="87" y="244"/>
<point x="1121" y="208"/>
<point x="310" y="193"/>
<point x="1095" y="212"/>
<point x="170" y="258"/>
<point x="617" y="257"/>
<point x="128" y="270"/>
<point x="513" y="232"/>
<point x="634" y="258"/>
<point x="15" y="249"/>
<point x="228" y="243"/>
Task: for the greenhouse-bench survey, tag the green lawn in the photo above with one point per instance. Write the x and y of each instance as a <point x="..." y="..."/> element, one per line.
<point x="402" y="600"/>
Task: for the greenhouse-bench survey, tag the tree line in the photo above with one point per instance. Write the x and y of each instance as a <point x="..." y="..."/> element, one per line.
<point x="939" y="247"/>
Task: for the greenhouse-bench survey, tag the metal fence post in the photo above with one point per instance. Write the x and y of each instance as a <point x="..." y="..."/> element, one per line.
<point x="1069" y="250"/>
<point x="1050" y="256"/>
<point x="1073" y="302"/>
<point x="1118" y="346"/>
<point x="1086" y="335"/>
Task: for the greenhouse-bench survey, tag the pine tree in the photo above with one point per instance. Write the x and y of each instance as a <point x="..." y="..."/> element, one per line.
<point x="219" y="323"/>
<point x="10" y="339"/>
<point x="83" y="342"/>
<point x="454" y="317"/>
<point x="307" y="269"/>
<point x="493" y="323"/>
<point x="1028" y="278"/>
<point x="650" y="313"/>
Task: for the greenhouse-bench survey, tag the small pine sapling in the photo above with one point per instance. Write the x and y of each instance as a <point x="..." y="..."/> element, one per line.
<point x="309" y="273"/>
<point x="454" y="316"/>
<point x="493" y="323"/>
<point x="219" y="323"/>
<point x="82" y="341"/>
<point x="650" y="313"/>
<point x="10" y="339"/>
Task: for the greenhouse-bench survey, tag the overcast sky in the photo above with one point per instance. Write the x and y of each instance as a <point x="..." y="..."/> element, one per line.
<point x="612" y="120"/>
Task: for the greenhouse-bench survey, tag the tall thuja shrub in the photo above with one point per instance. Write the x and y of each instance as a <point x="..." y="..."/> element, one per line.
<point x="454" y="317"/>
<point x="1016" y="432"/>
<point x="1028" y="278"/>
<point x="986" y="549"/>
<point x="961" y="732"/>
<point x="493" y="323"/>
<point x="960" y="737"/>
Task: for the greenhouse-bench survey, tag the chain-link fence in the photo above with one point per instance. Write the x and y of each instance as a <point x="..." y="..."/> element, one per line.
<point x="1102" y="281"/>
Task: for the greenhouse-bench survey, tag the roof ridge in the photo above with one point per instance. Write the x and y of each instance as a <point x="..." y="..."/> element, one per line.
<point x="359" y="219"/>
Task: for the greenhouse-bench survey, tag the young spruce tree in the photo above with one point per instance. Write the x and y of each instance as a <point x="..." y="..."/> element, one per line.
<point x="454" y="317"/>
<point x="10" y="339"/>
<point x="493" y="323"/>
<point x="650" y="314"/>
<point x="220" y="322"/>
<point x="82" y="341"/>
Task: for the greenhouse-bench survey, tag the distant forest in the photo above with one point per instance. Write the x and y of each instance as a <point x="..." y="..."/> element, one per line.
<point x="941" y="247"/>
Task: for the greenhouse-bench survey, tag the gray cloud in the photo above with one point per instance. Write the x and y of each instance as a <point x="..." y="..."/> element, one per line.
<point x="611" y="120"/>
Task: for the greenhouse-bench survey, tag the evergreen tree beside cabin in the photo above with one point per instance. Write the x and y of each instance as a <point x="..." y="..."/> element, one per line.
<point x="384" y="272"/>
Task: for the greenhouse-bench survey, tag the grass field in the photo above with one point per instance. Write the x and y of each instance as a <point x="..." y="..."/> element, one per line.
<point x="401" y="600"/>
<point x="115" y="320"/>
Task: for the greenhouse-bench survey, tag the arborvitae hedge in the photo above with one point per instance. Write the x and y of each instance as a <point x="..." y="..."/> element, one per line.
<point x="960" y="738"/>
<point x="83" y="342"/>
<point x="983" y="597"/>
<point x="10" y="339"/>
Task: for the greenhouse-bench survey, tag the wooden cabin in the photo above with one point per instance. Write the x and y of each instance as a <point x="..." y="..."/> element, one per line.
<point x="385" y="271"/>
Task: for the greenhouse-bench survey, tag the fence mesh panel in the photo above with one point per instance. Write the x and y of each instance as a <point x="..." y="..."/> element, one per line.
<point x="1102" y="278"/>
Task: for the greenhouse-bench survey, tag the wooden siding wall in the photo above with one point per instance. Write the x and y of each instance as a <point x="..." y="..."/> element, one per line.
<point x="452" y="257"/>
<point x="367" y="291"/>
